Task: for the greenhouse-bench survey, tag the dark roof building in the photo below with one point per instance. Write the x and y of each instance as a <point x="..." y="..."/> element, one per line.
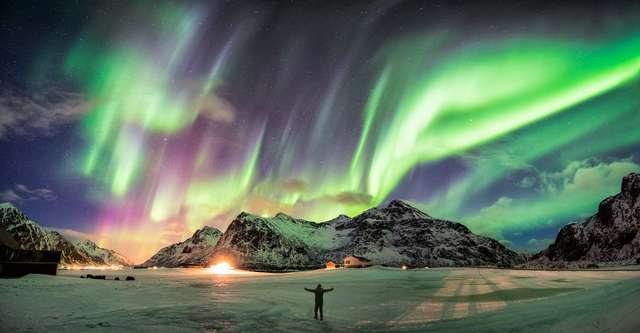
<point x="16" y="262"/>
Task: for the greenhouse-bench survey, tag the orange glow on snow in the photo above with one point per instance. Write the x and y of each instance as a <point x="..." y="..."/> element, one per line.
<point x="221" y="268"/>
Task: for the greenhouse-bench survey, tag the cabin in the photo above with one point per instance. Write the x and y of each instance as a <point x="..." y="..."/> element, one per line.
<point x="16" y="262"/>
<point x="331" y="265"/>
<point x="356" y="262"/>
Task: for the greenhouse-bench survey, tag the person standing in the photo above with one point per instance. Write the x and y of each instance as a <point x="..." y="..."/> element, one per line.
<point x="319" y="292"/>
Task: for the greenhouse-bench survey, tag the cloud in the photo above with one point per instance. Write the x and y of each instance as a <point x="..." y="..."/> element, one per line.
<point x="209" y="106"/>
<point x="489" y="220"/>
<point x="9" y="196"/>
<point x="72" y="235"/>
<point x="346" y="198"/>
<point x="587" y="175"/>
<point x="532" y="245"/>
<point x="36" y="193"/>
<point x="536" y="245"/>
<point x="526" y="182"/>
<point x="217" y="109"/>
<point x="21" y="192"/>
<point x="264" y="205"/>
<point x="292" y="185"/>
<point x="352" y="198"/>
<point x="506" y="243"/>
<point x="566" y="195"/>
<point x="33" y="114"/>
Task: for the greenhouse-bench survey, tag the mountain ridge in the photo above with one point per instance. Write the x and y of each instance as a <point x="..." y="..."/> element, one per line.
<point x="30" y="235"/>
<point x="394" y="234"/>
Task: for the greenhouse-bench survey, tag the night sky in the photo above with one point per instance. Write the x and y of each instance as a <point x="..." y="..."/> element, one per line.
<point x="135" y="123"/>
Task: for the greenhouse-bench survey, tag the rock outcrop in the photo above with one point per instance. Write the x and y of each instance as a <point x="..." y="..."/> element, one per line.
<point x="610" y="235"/>
<point x="194" y="251"/>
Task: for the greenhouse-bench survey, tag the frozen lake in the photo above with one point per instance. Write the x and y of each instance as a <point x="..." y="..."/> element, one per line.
<point x="373" y="299"/>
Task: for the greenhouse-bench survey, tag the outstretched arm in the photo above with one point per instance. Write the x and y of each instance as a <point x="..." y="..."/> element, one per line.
<point x="309" y="290"/>
<point x="327" y="290"/>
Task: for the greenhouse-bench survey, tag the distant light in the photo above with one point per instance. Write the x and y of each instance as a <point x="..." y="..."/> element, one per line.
<point x="76" y="267"/>
<point x="404" y="267"/>
<point x="221" y="268"/>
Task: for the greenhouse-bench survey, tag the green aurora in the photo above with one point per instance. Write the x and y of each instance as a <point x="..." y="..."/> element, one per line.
<point x="508" y="133"/>
<point x="459" y="101"/>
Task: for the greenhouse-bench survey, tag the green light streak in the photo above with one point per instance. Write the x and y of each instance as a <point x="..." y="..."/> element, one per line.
<point x="469" y="103"/>
<point x="370" y="113"/>
<point x="250" y="168"/>
<point x="599" y="126"/>
<point x="499" y="106"/>
<point x="127" y="153"/>
<point x="133" y="89"/>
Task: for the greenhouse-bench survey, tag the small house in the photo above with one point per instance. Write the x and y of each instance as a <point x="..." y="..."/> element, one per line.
<point x="16" y="262"/>
<point x="356" y="262"/>
<point x="331" y="265"/>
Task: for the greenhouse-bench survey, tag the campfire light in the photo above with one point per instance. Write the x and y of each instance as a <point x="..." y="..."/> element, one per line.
<point x="221" y="268"/>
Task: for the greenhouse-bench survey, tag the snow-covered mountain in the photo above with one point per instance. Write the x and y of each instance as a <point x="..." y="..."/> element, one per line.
<point x="30" y="235"/>
<point x="612" y="234"/>
<point x="97" y="254"/>
<point x="392" y="235"/>
<point x="196" y="250"/>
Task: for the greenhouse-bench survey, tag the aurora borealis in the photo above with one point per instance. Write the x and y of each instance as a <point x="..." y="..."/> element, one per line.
<point x="513" y="119"/>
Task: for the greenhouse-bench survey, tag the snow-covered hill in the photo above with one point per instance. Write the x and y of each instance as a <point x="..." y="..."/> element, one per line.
<point x="392" y="235"/>
<point x="612" y="234"/>
<point x="196" y="250"/>
<point x="97" y="254"/>
<point x="30" y="235"/>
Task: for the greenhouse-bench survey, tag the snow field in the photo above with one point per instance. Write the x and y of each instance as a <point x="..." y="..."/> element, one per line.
<point x="374" y="299"/>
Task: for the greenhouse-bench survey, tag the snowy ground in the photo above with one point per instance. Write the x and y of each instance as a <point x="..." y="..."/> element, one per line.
<point x="373" y="299"/>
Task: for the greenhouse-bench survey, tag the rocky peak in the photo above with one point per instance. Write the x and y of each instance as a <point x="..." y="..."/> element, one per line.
<point x="85" y="243"/>
<point x="282" y="215"/>
<point x="195" y="250"/>
<point x="399" y="204"/>
<point x="245" y="216"/>
<point x="206" y="234"/>
<point x="396" y="210"/>
<point x="12" y="214"/>
<point x="206" y="230"/>
<point x="7" y="205"/>
<point x="340" y="218"/>
<point x="612" y="234"/>
<point x="631" y="186"/>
